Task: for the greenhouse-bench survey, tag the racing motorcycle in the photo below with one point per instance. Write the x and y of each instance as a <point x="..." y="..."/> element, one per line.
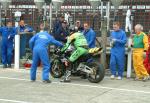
<point x="85" y="65"/>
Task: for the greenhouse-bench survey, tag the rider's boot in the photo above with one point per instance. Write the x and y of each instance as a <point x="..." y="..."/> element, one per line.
<point x="67" y="75"/>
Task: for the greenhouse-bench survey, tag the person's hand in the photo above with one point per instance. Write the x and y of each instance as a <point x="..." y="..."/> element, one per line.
<point x="9" y="37"/>
<point x="129" y="49"/>
<point x="132" y="44"/>
<point x="148" y="56"/>
<point x="144" y="54"/>
<point x="112" y="42"/>
<point x="76" y="28"/>
<point x="26" y="30"/>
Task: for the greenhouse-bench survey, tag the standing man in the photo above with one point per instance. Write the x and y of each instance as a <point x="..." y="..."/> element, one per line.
<point x="57" y="25"/>
<point x="128" y="20"/>
<point x="62" y="32"/>
<point x="147" y="59"/>
<point x="117" y="59"/>
<point x="8" y="34"/>
<point x="140" y="46"/>
<point x="23" y="38"/>
<point x="67" y="15"/>
<point x="78" y="26"/>
<point x="0" y="48"/>
<point x="90" y="35"/>
<point x="81" y="46"/>
<point x="38" y="44"/>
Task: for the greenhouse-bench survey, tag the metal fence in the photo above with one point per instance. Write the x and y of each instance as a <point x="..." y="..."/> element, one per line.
<point x="81" y="10"/>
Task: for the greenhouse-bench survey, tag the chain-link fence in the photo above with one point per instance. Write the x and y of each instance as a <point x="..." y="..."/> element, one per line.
<point x="81" y="10"/>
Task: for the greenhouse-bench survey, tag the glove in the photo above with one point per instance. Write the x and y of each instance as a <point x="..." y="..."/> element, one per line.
<point x="144" y="55"/>
<point x="26" y="30"/>
<point x="9" y="37"/>
<point x="112" y="42"/>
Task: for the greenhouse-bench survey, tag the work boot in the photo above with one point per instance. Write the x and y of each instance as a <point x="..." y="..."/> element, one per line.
<point x="66" y="76"/>
<point x="9" y="65"/>
<point x="145" y="78"/>
<point x="119" y="78"/>
<point x="5" y="66"/>
<point x="112" y="77"/>
<point x="32" y="80"/>
<point x="47" y="81"/>
<point x="137" y="79"/>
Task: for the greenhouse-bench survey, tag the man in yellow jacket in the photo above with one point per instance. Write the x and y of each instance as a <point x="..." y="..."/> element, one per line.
<point x="140" y="46"/>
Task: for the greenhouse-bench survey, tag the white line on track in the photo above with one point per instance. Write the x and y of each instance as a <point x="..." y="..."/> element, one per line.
<point x="13" y="101"/>
<point x="82" y="85"/>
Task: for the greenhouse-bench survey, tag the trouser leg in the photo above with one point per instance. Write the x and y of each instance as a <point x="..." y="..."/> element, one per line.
<point x="34" y="66"/>
<point x="135" y="65"/>
<point x="113" y="64"/>
<point x="9" y="54"/>
<point x="4" y="54"/>
<point x="46" y="64"/>
<point x="120" y="62"/>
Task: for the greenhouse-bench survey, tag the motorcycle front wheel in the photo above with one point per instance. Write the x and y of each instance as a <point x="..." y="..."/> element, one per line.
<point x="57" y="69"/>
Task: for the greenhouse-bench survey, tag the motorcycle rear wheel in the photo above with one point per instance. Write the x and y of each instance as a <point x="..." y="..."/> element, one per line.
<point x="98" y="73"/>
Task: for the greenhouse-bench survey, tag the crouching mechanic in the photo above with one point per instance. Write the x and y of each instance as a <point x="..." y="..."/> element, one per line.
<point x="81" y="46"/>
<point x="38" y="43"/>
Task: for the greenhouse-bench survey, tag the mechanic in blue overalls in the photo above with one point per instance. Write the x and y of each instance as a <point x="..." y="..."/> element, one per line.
<point x="8" y="32"/>
<point x="23" y="38"/>
<point x="117" y="59"/>
<point x="38" y="43"/>
<point x="90" y="35"/>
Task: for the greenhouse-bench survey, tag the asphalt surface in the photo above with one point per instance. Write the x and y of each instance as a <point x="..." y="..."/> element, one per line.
<point x="15" y="87"/>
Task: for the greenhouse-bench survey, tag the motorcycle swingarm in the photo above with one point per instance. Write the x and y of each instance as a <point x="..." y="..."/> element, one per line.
<point x="84" y="68"/>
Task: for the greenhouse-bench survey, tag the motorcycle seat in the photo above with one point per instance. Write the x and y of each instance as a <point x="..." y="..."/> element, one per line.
<point x="95" y="51"/>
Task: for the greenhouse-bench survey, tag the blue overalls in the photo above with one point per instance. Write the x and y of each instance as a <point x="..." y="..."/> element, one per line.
<point x="38" y="43"/>
<point x="90" y="36"/>
<point x="23" y="39"/>
<point x="117" y="58"/>
<point x="7" y="44"/>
